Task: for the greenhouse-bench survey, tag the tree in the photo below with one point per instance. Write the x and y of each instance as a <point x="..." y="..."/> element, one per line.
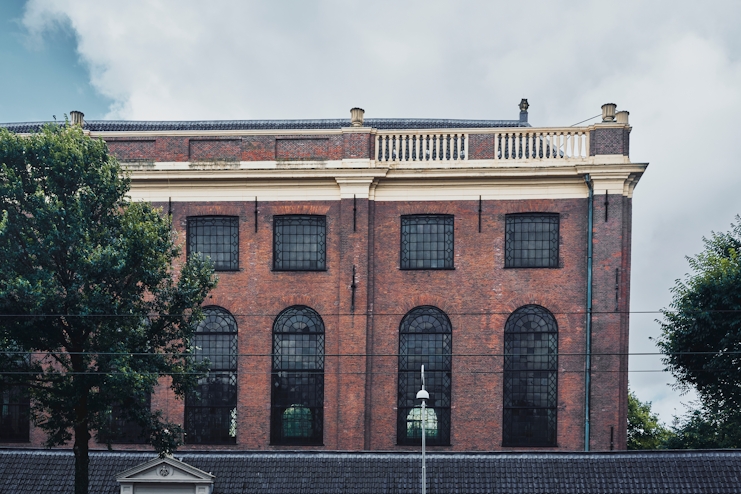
<point x="88" y="288"/>
<point x="644" y="429"/>
<point x="706" y="428"/>
<point x="701" y="331"/>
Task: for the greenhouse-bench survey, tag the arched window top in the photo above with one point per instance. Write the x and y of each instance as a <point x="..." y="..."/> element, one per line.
<point x="414" y="423"/>
<point x="217" y="320"/>
<point x="298" y="319"/>
<point x="531" y="319"/>
<point x="425" y="319"/>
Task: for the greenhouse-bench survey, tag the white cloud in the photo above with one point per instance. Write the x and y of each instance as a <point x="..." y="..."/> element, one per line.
<point x="675" y="65"/>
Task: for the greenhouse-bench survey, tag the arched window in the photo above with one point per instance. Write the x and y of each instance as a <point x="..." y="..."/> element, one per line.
<point x="298" y="377"/>
<point x="425" y="338"/>
<point x="211" y="411"/>
<point x="530" y="378"/>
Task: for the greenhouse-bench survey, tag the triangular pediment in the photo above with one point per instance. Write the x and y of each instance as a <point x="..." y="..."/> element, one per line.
<point x="166" y="469"/>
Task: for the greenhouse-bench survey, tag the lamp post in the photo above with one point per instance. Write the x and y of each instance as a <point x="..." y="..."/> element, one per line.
<point x="423" y="395"/>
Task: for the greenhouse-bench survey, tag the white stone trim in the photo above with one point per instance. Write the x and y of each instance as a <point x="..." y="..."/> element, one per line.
<point x="163" y="474"/>
<point x="551" y="181"/>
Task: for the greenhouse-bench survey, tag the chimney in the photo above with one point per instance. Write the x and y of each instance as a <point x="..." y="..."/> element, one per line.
<point x="77" y="118"/>
<point x="356" y="117"/>
<point x="523" y="110"/>
<point x="608" y="112"/>
<point x="622" y="117"/>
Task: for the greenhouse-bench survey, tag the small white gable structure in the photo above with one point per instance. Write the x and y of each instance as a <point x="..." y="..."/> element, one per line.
<point x="165" y="476"/>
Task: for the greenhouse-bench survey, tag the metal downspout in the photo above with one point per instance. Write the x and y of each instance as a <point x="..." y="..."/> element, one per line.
<point x="588" y="360"/>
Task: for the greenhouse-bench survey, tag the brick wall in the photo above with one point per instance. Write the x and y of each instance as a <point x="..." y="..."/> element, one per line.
<point x="215" y="149"/>
<point x="481" y="146"/>
<point x="609" y="141"/>
<point x="478" y="296"/>
<point x="132" y="149"/>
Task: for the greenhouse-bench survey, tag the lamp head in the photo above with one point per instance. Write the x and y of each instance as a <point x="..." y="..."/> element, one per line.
<point x="422" y="394"/>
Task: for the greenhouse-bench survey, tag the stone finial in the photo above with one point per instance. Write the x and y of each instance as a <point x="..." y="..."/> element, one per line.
<point x="608" y="112"/>
<point x="77" y="118"/>
<point x="622" y="117"/>
<point x="524" y="105"/>
<point x="356" y="117"/>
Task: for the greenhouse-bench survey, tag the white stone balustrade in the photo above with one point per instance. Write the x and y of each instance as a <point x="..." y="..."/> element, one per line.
<point x="545" y="144"/>
<point x="421" y="146"/>
<point x="523" y="143"/>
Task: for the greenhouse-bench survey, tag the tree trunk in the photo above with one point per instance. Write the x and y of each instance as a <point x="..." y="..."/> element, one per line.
<point x="82" y="435"/>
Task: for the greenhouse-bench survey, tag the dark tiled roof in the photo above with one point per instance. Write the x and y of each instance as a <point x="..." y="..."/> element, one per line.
<point x="378" y="123"/>
<point x="676" y="472"/>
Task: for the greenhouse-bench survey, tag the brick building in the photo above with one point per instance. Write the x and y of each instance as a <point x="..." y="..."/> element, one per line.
<point x="351" y="252"/>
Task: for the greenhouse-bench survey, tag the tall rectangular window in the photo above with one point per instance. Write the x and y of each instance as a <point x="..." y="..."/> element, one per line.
<point x="297" y="400"/>
<point x="427" y="241"/>
<point x="530" y="403"/>
<point x="425" y="338"/>
<point x="531" y="240"/>
<point x="216" y="237"/>
<point x="211" y="408"/>
<point x="299" y="242"/>
<point x="14" y="414"/>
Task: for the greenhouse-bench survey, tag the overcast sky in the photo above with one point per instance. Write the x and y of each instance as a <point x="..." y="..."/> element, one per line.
<point x="675" y="65"/>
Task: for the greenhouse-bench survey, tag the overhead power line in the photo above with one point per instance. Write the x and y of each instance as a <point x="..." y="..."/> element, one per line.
<point x="365" y="355"/>
<point x="375" y="314"/>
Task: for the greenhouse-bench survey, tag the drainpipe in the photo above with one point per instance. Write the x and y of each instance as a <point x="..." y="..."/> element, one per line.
<point x="588" y="362"/>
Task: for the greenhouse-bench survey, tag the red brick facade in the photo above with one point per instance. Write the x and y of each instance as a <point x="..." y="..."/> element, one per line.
<point x="362" y="339"/>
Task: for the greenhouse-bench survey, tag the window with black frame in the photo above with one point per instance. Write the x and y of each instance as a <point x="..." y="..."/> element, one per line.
<point x="427" y="241"/>
<point x="299" y="242"/>
<point x="211" y="409"/>
<point x="297" y="401"/>
<point x="15" y="405"/>
<point x="530" y="378"/>
<point x="121" y="428"/>
<point x="15" y="399"/>
<point x="216" y="237"/>
<point x="425" y="338"/>
<point x="531" y="240"/>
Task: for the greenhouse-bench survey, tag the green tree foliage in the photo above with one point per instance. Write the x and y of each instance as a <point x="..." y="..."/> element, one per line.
<point x="701" y="336"/>
<point x="87" y="287"/>
<point x="706" y="428"/>
<point x="644" y="429"/>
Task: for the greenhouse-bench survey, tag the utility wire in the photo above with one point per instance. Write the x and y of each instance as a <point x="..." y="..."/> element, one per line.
<point x="587" y="120"/>
<point x="374" y="314"/>
<point x="360" y="355"/>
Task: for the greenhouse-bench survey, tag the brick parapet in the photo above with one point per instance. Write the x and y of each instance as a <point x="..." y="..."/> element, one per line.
<point x="358" y="145"/>
<point x="609" y="140"/>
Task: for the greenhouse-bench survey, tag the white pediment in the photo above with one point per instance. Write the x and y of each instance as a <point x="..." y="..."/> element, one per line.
<point x="167" y="473"/>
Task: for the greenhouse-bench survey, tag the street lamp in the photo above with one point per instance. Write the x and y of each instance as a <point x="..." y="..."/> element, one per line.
<point x="423" y="395"/>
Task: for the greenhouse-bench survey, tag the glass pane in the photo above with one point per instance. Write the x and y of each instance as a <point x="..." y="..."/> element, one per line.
<point x="427" y="241"/>
<point x="531" y="240"/>
<point x="216" y="237"/>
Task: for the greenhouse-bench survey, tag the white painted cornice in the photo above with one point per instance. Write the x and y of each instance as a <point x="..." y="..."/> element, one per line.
<point x="316" y="181"/>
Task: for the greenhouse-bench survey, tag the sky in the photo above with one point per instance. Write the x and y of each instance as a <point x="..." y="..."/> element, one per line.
<point x="674" y="65"/>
